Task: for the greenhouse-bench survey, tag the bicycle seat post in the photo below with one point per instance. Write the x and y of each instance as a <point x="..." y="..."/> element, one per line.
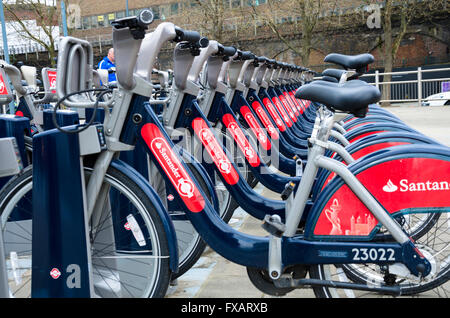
<point x="300" y="198"/>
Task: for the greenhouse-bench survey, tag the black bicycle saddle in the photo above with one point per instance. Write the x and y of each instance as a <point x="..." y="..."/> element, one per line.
<point x="356" y="62"/>
<point x="352" y="97"/>
<point x="332" y="72"/>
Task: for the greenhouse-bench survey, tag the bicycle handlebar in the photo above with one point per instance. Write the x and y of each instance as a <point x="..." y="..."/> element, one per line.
<point x="247" y="55"/>
<point x="187" y="36"/>
<point x="142" y="20"/>
<point x="244" y="56"/>
<point x="137" y="24"/>
<point x="226" y="51"/>
<point x="145" y="18"/>
<point x="261" y="59"/>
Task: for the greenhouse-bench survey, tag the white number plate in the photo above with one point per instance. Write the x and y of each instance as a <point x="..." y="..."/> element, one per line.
<point x="373" y="254"/>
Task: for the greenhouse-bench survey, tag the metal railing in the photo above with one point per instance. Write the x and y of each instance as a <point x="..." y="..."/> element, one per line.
<point x="410" y="90"/>
<point x="410" y="86"/>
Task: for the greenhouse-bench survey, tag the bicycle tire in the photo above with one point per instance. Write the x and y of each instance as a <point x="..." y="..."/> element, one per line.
<point x="433" y="244"/>
<point x="123" y="282"/>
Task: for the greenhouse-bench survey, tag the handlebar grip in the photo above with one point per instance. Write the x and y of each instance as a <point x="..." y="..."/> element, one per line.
<point x="229" y="50"/>
<point x="226" y="51"/>
<point x="187" y="35"/>
<point x="247" y="55"/>
<point x="261" y="59"/>
<point x="203" y="42"/>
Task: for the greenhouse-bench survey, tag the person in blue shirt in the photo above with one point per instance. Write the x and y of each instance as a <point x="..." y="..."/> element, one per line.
<point x="108" y="64"/>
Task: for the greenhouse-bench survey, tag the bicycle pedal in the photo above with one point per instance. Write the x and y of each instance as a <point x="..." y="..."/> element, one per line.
<point x="273" y="225"/>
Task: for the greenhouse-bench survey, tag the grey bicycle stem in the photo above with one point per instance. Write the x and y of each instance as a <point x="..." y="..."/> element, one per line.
<point x="199" y="61"/>
<point x="151" y="46"/>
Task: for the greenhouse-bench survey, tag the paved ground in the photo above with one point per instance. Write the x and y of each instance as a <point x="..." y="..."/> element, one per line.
<point x="431" y="121"/>
<point x="215" y="277"/>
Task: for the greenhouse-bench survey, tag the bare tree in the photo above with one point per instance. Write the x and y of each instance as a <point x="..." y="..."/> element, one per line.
<point x="46" y="17"/>
<point x="404" y="11"/>
<point x="395" y="21"/>
<point x="212" y="14"/>
<point x="308" y="14"/>
<point x="216" y="20"/>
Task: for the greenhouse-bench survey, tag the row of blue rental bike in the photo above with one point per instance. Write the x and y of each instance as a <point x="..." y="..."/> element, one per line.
<point x="115" y="189"/>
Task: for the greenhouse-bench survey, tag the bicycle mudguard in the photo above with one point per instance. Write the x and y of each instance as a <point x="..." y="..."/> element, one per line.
<point x="137" y="178"/>
<point x="368" y="145"/>
<point x="359" y="122"/>
<point x="374" y="128"/>
<point x="373" y="110"/>
<point x="404" y="179"/>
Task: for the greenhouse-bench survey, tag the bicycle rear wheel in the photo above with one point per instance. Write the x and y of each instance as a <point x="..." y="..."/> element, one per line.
<point x="129" y="248"/>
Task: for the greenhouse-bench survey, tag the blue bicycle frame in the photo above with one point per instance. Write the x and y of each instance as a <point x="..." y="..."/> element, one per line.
<point x="237" y="247"/>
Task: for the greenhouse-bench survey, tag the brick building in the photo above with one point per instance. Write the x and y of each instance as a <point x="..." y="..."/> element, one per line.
<point x="95" y="17"/>
<point x="426" y="43"/>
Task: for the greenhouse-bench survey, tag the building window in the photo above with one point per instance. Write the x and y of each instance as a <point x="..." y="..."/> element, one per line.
<point x="101" y="20"/>
<point x="86" y="23"/>
<point x="235" y="3"/>
<point x="155" y="11"/>
<point x="111" y="17"/>
<point x="174" y="8"/>
<point x="94" y="21"/>
<point x="164" y="11"/>
<point x="120" y="14"/>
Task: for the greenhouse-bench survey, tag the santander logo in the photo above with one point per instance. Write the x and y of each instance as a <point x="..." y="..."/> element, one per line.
<point x="185" y="187"/>
<point x="173" y="168"/>
<point x="208" y="140"/>
<point x="241" y="140"/>
<point x="406" y="186"/>
<point x="215" y="151"/>
<point x="3" y="90"/>
<point x="158" y="145"/>
<point x="265" y="120"/>
<point x="390" y="187"/>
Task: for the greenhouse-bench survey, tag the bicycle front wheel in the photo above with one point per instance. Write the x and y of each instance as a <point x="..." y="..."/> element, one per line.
<point x="431" y="238"/>
<point x="129" y="248"/>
